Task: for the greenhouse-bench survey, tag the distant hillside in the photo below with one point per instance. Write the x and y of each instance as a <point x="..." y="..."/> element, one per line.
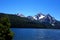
<point x="23" y="22"/>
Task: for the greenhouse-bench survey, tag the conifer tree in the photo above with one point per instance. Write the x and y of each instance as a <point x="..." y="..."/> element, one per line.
<point x="5" y="32"/>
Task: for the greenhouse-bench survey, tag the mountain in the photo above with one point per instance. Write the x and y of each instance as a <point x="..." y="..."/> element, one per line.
<point x="43" y="18"/>
<point x="37" y="21"/>
<point x="49" y="18"/>
<point x="36" y="17"/>
<point x="39" y="16"/>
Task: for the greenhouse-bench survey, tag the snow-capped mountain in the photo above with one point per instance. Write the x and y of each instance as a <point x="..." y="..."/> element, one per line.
<point x="36" y="17"/>
<point x="43" y="18"/>
<point x="39" y="16"/>
<point x="49" y="19"/>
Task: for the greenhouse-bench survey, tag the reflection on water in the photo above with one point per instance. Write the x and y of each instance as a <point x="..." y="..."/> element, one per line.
<point x="36" y="34"/>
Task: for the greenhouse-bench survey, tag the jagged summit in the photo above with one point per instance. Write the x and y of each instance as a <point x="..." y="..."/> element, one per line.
<point x="43" y="18"/>
<point x="39" y="16"/>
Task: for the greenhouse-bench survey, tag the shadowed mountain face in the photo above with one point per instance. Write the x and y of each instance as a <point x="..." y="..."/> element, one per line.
<point x="37" y="21"/>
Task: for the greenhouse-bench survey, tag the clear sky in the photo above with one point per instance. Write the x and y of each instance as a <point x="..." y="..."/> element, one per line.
<point x="31" y="7"/>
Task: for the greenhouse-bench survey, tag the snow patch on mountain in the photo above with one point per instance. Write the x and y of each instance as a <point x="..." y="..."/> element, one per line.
<point x="53" y="24"/>
<point x="35" y="18"/>
<point x="41" y="17"/>
<point x="21" y="15"/>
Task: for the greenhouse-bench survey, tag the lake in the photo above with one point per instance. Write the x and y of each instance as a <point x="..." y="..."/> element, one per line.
<point x="35" y="34"/>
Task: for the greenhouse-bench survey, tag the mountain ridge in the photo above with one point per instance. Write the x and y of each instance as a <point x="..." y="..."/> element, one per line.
<point x="27" y="22"/>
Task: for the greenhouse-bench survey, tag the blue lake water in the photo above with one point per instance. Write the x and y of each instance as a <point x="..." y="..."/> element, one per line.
<point x="35" y="34"/>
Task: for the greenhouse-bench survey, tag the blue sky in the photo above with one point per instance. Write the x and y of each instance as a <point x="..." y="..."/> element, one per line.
<point x="31" y="7"/>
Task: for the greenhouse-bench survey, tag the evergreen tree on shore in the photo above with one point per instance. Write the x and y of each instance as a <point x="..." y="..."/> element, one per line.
<point x="5" y="32"/>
